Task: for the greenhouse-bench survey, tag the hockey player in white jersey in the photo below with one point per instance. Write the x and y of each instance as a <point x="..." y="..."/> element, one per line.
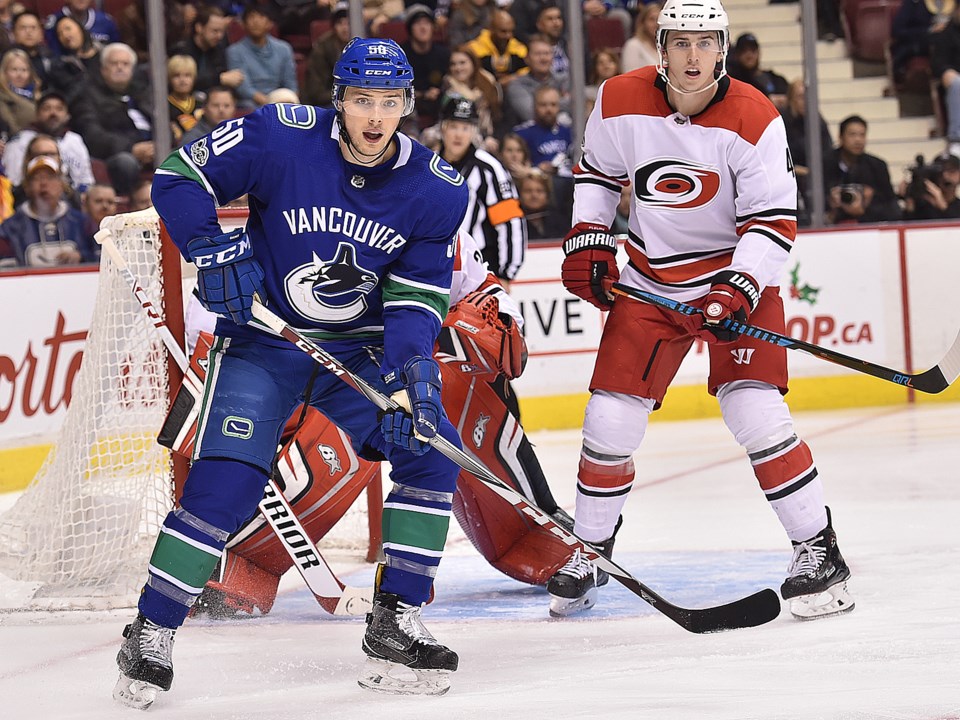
<point x="712" y="222"/>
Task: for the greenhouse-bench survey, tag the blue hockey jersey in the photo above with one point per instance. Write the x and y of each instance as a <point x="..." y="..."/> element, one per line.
<point x="348" y="251"/>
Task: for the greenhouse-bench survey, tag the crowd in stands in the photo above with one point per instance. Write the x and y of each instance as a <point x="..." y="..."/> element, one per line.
<point x="76" y="108"/>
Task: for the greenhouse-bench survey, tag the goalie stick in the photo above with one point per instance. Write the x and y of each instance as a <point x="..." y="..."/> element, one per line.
<point x="935" y="380"/>
<point x="331" y="594"/>
<point x="756" y="609"/>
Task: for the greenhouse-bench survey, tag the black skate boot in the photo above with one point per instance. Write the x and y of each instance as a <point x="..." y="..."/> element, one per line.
<point x="573" y="588"/>
<point x="816" y="583"/>
<point x="402" y="656"/>
<point x="146" y="663"/>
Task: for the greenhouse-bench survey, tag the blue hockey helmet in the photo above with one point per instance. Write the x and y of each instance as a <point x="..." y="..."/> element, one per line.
<point x="374" y="63"/>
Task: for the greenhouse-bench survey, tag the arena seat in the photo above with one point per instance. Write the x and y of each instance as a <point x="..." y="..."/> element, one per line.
<point x="603" y="32"/>
<point x="318" y="28"/>
<point x="868" y="25"/>
<point x="394" y="30"/>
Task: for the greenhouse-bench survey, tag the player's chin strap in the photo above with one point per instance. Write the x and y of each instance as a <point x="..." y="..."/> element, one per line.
<point x="366" y="160"/>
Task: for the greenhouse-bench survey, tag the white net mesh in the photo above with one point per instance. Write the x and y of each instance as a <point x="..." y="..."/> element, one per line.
<point x="81" y="534"/>
<point x="82" y="531"/>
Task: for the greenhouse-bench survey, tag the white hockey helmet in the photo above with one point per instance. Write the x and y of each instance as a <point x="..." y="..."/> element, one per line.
<point x="693" y="15"/>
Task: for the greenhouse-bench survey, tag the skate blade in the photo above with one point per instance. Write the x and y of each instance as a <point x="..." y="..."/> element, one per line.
<point x="832" y="601"/>
<point x="396" y="679"/>
<point x="135" y="693"/>
<point x="564" y="607"/>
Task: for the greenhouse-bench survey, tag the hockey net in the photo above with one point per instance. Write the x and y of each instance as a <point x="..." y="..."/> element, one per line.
<point x="80" y="535"/>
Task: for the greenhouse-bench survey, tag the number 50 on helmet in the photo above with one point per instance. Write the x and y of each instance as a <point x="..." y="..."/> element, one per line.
<point x="373" y="64"/>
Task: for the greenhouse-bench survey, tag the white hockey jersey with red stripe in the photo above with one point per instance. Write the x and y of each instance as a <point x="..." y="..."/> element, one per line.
<point x="709" y="192"/>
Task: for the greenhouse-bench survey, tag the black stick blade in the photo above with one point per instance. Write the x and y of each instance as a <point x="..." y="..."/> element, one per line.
<point x="751" y="611"/>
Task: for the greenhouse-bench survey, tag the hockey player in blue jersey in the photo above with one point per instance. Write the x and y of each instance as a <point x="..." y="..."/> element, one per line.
<point x="350" y="239"/>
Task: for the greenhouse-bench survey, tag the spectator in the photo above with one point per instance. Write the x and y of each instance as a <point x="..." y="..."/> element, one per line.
<point x="543" y="220"/>
<point x="550" y="144"/>
<point x="99" y="201"/>
<point x="945" y="64"/>
<point x="6" y="25"/>
<point x="178" y="19"/>
<point x="829" y="27"/>
<point x="467" y="20"/>
<point x="640" y="50"/>
<point x="550" y="26"/>
<point x="518" y="101"/>
<point x="79" y="58"/>
<point x="795" y="123"/>
<point x="604" y="64"/>
<point x="932" y="192"/>
<point x="18" y="85"/>
<point x="318" y="84"/>
<point x="467" y="79"/>
<point x="744" y="65"/>
<point x="858" y="184"/>
<point x="140" y="197"/>
<point x="525" y="13"/>
<point x="266" y="62"/>
<point x="206" y="47"/>
<point x="499" y="52"/>
<point x="114" y="116"/>
<point x="28" y="36"/>
<point x="515" y="156"/>
<point x="101" y="26"/>
<point x="910" y="36"/>
<point x="430" y="61"/>
<point x="378" y="12"/>
<point x="45" y="231"/>
<point x="220" y="105"/>
<point x="53" y="120"/>
<point x="182" y="104"/>
<point x="43" y="145"/>
<point x="494" y="217"/>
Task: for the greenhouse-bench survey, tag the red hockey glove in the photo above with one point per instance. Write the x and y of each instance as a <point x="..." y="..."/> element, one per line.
<point x="732" y="295"/>
<point x="590" y="265"/>
<point x="496" y="335"/>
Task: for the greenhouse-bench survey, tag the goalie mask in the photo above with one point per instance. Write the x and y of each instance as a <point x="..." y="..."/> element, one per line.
<point x="693" y="16"/>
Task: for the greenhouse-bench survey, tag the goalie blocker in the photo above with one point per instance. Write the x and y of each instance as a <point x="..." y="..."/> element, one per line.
<point x="321" y="475"/>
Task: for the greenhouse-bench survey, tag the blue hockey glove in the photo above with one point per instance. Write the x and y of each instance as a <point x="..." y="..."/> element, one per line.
<point x="227" y="274"/>
<point x="416" y="387"/>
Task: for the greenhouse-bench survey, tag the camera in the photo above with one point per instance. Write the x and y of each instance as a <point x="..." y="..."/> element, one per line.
<point x="850" y="193"/>
<point x="921" y="172"/>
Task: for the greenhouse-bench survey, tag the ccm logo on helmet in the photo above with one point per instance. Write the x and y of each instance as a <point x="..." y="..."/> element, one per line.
<point x="376" y="72"/>
<point x="677" y="184"/>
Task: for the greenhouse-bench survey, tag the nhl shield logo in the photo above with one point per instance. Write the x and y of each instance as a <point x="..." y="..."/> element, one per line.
<point x="199" y="152"/>
<point x="330" y="457"/>
<point x="480" y="430"/>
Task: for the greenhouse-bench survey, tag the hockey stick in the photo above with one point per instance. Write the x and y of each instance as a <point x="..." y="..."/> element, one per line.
<point x="331" y="594"/>
<point x="759" y="608"/>
<point x="935" y="380"/>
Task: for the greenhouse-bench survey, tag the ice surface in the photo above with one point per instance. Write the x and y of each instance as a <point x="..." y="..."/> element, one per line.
<point x="697" y="530"/>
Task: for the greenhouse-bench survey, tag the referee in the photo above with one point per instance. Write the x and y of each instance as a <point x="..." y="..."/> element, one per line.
<point x="494" y="217"/>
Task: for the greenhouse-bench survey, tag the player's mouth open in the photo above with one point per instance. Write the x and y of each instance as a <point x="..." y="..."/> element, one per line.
<point x="372" y="136"/>
<point x="693" y="72"/>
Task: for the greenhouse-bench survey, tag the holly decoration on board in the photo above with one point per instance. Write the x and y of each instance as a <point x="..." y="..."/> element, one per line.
<point x="803" y="293"/>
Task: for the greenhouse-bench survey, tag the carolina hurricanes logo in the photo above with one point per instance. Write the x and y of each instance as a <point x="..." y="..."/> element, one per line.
<point x="678" y="184"/>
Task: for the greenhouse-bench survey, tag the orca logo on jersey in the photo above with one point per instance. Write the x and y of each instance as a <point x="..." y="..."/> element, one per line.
<point x="676" y="184"/>
<point x="331" y="291"/>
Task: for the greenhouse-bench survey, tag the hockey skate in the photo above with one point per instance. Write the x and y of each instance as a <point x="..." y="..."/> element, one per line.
<point x="403" y="658"/>
<point x="816" y="583"/>
<point x="146" y="663"/>
<point x="573" y="588"/>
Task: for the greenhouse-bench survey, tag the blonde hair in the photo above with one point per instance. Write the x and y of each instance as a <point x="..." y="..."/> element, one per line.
<point x="8" y="58"/>
<point x="182" y="63"/>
